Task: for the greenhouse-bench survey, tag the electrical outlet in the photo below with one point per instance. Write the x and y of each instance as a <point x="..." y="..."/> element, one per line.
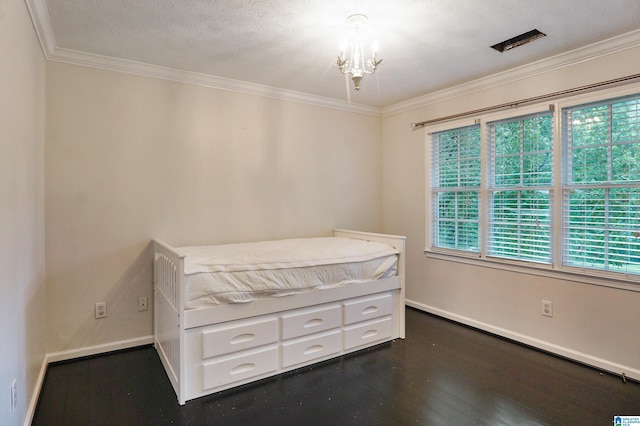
<point x="101" y="310"/>
<point x="547" y="308"/>
<point x="14" y="396"/>
<point x="143" y="304"/>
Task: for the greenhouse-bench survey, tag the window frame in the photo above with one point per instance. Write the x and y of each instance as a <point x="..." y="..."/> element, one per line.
<point x="429" y="210"/>
<point x="493" y="188"/>
<point x="556" y="268"/>
<point x="457" y="189"/>
<point x="606" y="186"/>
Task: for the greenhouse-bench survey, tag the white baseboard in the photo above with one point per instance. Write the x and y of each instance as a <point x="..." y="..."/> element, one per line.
<point x="31" y="410"/>
<point x="580" y="357"/>
<point x="99" y="349"/>
<point x="78" y="353"/>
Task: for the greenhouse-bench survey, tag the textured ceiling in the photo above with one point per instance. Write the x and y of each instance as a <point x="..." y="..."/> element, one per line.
<point x="426" y="45"/>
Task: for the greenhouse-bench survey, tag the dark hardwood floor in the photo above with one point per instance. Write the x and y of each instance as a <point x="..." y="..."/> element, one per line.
<point x="442" y="374"/>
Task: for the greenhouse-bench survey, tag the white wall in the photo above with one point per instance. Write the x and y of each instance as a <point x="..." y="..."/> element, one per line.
<point x="593" y="324"/>
<point x="22" y="304"/>
<point x="131" y="158"/>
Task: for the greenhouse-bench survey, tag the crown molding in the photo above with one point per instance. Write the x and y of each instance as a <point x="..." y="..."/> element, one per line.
<point x="165" y="73"/>
<point x="584" y="54"/>
<point x="42" y="24"/>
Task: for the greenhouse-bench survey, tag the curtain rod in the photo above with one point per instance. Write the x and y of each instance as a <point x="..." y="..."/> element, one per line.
<point x="588" y="87"/>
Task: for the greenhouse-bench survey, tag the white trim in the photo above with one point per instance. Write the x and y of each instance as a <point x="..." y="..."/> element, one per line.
<point x="541" y="270"/>
<point x="99" y="349"/>
<point x="516" y="112"/>
<point x="451" y="124"/>
<point x="428" y="198"/>
<point x="109" y="63"/>
<point x="42" y="25"/>
<point x="31" y="409"/>
<point x="593" y="51"/>
<point x="597" y="96"/>
<point x="562" y="351"/>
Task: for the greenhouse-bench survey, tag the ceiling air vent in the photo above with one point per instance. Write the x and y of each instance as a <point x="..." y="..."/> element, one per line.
<point x="518" y="40"/>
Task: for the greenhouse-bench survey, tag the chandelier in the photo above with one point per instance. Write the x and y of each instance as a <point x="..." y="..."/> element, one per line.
<point x="352" y="58"/>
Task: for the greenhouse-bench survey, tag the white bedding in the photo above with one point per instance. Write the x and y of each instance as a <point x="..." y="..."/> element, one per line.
<point x="240" y="273"/>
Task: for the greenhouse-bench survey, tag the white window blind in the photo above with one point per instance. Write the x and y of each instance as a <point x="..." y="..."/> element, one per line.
<point x="521" y="187"/>
<point x="455" y="186"/>
<point x="519" y="191"/>
<point x="601" y="192"/>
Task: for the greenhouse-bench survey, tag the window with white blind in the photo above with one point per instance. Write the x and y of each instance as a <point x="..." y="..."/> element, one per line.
<point x="601" y="190"/>
<point x="553" y="193"/>
<point x="520" y="187"/>
<point x="456" y="181"/>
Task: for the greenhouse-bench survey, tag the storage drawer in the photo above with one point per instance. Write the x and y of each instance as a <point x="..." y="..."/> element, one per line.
<point x="309" y="321"/>
<point x="367" y="332"/>
<point x="238" y="336"/>
<point x="240" y="367"/>
<point x="367" y="308"/>
<point x="310" y="348"/>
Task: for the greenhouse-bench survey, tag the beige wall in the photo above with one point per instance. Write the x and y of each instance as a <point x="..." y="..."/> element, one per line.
<point x="22" y="305"/>
<point x="591" y="323"/>
<point x="130" y="158"/>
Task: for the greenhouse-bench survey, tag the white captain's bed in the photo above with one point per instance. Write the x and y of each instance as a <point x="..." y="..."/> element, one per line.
<point x="231" y="314"/>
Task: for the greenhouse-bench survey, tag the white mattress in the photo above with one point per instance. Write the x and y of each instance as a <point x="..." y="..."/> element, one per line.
<point x="241" y="273"/>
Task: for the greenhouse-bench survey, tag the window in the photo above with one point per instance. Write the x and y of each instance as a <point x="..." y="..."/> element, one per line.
<point x="456" y="177"/>
<point x="601" y="194"/>
<point x="551" y="193"/>
<point x="520" y="188"/>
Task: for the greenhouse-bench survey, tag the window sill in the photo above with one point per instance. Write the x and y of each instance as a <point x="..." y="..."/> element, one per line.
<point x="542" y="270"/>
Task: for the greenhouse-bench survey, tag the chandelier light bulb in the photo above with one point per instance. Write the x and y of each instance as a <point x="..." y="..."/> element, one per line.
<point x="374" y="47"/>
<point x="344" y="44"/>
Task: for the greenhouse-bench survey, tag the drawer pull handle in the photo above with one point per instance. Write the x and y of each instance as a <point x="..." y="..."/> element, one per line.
<point x="369" y="310"/>
<point x="242" y="338"/>
<point x="369" y="334"/>
<point x="243" y="368"/>
<point x="313" y="322"/>
<point x="313" y="349"/>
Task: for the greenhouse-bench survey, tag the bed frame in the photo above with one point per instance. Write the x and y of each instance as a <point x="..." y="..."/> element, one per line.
<point x="207" y="350"/>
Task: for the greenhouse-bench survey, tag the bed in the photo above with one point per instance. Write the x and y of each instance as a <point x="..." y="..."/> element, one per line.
<point x="272" y="311"/>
